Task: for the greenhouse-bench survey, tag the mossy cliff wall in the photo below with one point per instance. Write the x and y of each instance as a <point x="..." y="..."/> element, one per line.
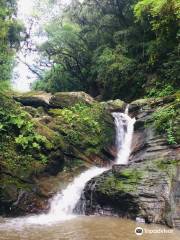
<point x="148" y="187"/>
<point x="44" y="141"/>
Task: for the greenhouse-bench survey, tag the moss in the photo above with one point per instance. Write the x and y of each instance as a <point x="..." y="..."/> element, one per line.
<point x="9" y="181"/>
<point x="163" y="165"/>
<point x="74" y="164"/>
<point x="22" y="148"/>
<point x="31" y="94"/>
<point x="128" y="180"/>
<point x="177" y="95"/>
<point x="168" y="166"/>
<point x="125" y="181"/>
<point x="114" y="105"/>
<point x="67" y="99"/>
<point x="143" y="101"/>
<point x="89" y="128"/>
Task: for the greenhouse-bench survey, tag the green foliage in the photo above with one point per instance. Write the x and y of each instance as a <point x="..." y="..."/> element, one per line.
<point x="111" y="48"/>
<point x="161" y="92"/>
<point x="20" y="144"/>
<point x="70" y="57"/>
<point x="10" y="39"/>
<point x="162" y="13"/>
<point x="84" y="126"/>
<point x="57" y="79"/>
<point x="164" y="122"/>
<point x="110" y="65"/>
<point x="166" y="165"/>
<point x="163" y="17"/>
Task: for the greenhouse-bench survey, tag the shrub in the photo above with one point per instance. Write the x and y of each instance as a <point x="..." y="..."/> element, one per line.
<point x="20" y="143"/>
<point x="163" y="122"/>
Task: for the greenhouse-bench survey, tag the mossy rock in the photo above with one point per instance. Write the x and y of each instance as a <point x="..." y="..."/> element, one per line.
<point x="88" y="128"/>
<point x="151" y="102"/>
<point x="114" y="105"/>
<point x="139" y="190"/>
<point x="34" y="99"/>
<point x="67" y="99"/>
<point x="36" y="142"/>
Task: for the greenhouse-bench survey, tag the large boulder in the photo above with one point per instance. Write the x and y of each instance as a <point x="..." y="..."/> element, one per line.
<point x="34" y="99"/>
<point x="147" y="191"/>
<point x="114" y="105"/>
<point x="66" y="99"/>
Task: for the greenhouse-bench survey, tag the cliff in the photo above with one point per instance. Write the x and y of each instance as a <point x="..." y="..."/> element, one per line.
<point x="46" y="140"/>
<point x="149" y="186"/>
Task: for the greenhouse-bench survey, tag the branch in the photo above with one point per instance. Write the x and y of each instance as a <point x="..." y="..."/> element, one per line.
<point x="30" y="68"/>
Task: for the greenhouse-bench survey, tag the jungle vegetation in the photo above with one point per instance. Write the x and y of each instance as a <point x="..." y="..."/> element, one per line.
<point x="113" y="49"/>
<point x="10" y="37"/>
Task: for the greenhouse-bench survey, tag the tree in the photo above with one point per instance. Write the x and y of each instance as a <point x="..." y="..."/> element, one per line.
<point x="9" y="39"/>
<point x="163" y="17"/>
<point x="112" y="47"/>
<point x="67" y="49"/>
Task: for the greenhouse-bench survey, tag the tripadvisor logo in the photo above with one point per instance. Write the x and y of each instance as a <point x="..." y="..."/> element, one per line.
<point x="139" y="231"/>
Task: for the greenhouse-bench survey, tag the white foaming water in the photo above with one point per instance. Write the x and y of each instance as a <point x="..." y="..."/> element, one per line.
<point x="124" y="133"/>
<point x="63" y="204"/>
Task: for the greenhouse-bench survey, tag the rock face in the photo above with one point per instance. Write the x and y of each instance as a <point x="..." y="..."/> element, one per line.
<point x="140" y="190"/>
<point x="73" y="144"/>
<point x="148" y="187"/>
<point x="147" y="143"/>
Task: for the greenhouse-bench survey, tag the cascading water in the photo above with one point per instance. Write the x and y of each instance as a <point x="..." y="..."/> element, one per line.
<point x="63" y="204"/>
<point x="124" y="132"/>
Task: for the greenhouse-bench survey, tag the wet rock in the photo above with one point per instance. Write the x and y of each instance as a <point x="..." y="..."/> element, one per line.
<point x="148" y="187"/>
<point x="173" y="217"/>
<point x="147" y="143"/>
<point x="141" y="190"/>
<point x="29" y="202"/>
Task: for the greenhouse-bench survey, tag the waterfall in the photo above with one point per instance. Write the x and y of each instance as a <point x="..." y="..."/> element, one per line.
<point x="63" y="204"/>
<point x="124" y="132"/>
